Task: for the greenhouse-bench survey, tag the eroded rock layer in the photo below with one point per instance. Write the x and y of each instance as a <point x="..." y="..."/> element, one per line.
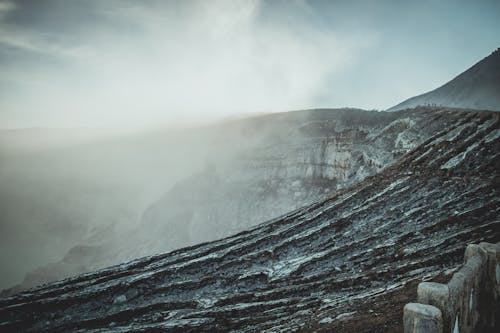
<point x="256" y="169"/>
<point x="346" y="263"/>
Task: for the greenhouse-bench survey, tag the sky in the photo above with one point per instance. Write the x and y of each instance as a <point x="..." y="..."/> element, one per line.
<point x="128" y="64"/>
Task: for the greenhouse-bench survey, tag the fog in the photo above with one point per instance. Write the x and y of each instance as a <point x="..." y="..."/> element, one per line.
<point x="56" y="196"/>
<point x="62" y="190"/>
<point x="175" y="62"/>
<point x="108" y="107"/>
<point x="128" y="64"/>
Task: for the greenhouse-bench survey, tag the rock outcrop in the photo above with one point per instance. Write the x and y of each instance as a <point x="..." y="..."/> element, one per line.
<point x="347" y="263"/>
<point x="310" y="155"/>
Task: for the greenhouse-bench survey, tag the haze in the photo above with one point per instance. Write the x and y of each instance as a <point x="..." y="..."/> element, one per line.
<point x="129" y="64"/>
<point x="94" y="78"/>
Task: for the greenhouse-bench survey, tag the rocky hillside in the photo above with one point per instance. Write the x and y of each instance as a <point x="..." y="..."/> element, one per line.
<point x="476" y="88"/>
<point x="281" y="162"/>
<point x="347" y="263"/>
<point x="309" y="156"/>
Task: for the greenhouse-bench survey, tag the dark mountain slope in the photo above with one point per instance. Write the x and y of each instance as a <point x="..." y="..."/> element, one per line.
<point x="476" y="88"/>
<point x="347" y="263"/>
<point x="258" y="168"/>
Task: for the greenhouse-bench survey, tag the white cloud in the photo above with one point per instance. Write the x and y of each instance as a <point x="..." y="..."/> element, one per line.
<point x="184" y="62"/>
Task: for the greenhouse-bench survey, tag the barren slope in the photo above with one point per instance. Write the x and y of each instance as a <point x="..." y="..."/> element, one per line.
<point x="348" y="262"/>
<point x="257" y="169"/>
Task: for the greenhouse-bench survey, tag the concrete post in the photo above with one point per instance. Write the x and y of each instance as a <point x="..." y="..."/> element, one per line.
<point x="469" y="302"/>
<point x="422" y="318"/>
<point x="438" y="295"/>
<point x="490" y="315"/>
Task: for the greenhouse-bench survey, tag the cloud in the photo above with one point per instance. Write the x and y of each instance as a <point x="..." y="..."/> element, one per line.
<point x="179" y="61"/>
<point x="6" y="7"/>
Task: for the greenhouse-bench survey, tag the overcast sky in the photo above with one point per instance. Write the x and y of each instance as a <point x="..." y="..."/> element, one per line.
<point x="91" y="63"/>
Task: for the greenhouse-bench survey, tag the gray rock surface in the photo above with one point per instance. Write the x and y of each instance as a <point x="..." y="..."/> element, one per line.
<point x="340" y="264"/>
<point x="282" y="162"/>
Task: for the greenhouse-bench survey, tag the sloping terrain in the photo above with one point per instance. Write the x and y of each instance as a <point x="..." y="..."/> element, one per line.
<point x="346" y="264"/>
<point x="255" y="169"/>
<point x="476" y="88"/>
<point x="299" y="158"/>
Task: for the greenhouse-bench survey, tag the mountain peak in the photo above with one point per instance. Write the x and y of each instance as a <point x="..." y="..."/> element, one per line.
<point x="476" y="88"/>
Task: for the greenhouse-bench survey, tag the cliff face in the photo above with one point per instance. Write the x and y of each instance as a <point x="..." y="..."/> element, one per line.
<point x="477" y="88"/>
<point x="304" y="160"/>
<point x="346" y="263"/>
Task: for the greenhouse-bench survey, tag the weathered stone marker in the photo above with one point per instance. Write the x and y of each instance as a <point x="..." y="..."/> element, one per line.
<point x="422" y="318"/>
<point x="438" y="295"/>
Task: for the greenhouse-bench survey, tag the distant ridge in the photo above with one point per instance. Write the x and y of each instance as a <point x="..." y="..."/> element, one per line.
<point x="476" y="88"/>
